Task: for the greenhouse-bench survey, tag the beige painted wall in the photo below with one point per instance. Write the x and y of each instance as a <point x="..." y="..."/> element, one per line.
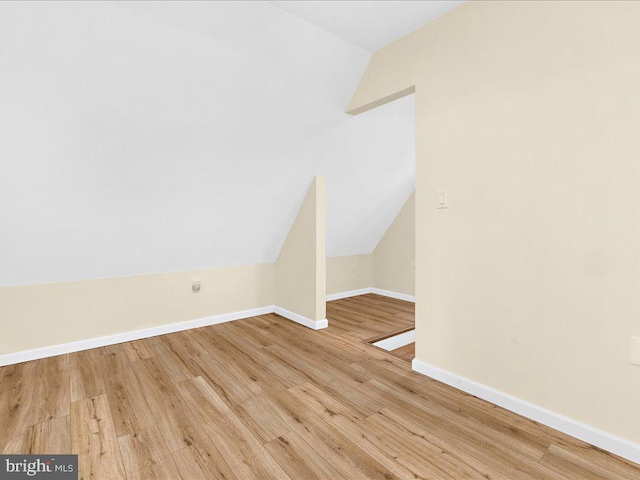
<point x="393" y="259"/>
<point x="527" y="112"/>
<point x="347" y="273"/>
<point x="300" y="271"/>
<point x="51" y="314"/>
<point x="391" y="266"/>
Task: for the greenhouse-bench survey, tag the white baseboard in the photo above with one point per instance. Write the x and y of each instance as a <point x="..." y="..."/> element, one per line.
<point x="24" y="356"/>
<point x="350" y="293"/>
<point x="586" y="433"/>
<point x="80" y="345"/>
<point x="307" y="322"/>
<point x="377" y="291"/>
<point x="397" y="341"/>
<point x="399" y="296"/>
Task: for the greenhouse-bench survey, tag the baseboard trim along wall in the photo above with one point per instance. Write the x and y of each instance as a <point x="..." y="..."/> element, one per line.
<point x="377" y="291"/>
<point x="307" y="322"/>
<point x="350" y="293"/>
<point x="606" y="441"/>
<point x="44" y="352"/>
<point x="80" y="345"/>
<point x="399" y="296"/>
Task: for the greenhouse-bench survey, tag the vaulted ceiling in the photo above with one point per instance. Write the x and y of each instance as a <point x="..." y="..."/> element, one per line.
<point x="370" y="24"/>
<point x="148" y="137"/>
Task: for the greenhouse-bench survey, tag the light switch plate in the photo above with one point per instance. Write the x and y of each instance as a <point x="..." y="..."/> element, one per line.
<point x="635" y="351"/>
<point x="443" y="201"/>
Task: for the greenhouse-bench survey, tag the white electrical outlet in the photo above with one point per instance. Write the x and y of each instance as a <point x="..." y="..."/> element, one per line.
<point x="195" y="286"/>
<point x="635" y="351"/>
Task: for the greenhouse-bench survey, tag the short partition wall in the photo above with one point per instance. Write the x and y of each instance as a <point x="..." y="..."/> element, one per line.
<point x="300" y="270"/>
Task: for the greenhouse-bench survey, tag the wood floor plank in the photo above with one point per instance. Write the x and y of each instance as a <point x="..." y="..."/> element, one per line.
<point x="329" y="442"/>
<point x="456" y="434"/>
<point x="466" y="443"/>
<point x="244" y="348"/>
<point x="331" y="364"/>
<point x="173" y="417"/>
<point x="51" y="395"/>
<point x="36" y="439"/>
<point x="86" y="374"/>
<point x="236" y="337"/>
<point x="217" y="356"/>
<point x="574" y="467"/>
<point x="313" y="370"/>
<point x="60" y="435"/>
<point x="353" y="396"/>
<point x="612" y="462"/>
<point x="183" y="345"/>
<point x="138" y="349"/>
<point x="13" y="445"/>
<point x="518" y="440"/>
<point x="445" y="461"/>
<point x="283" y="373"/>
<point x="16" y="394"/>
<point x="352" y="427"/>
<point x="249" y="329"/>
<point x="256" y="364"/>
<point x="129" y="410"/>
<point x="259" y="415"/>
<point x="202" y="461"/>
<point x="300" y="460"/>
<point x="408" y="352"/>
<point x="145" y="456"/>
<point x="241" y="450"/>
<point x="462" y="402"/>
<point x="177" y="367"/>
<point x="252" y="368"/>
<point x="408" y="457"/>
<point x="308" y="343"/>
<point x="93" y="438"/>
<point x="50" y="437"/>
<point x="224" y="378"/>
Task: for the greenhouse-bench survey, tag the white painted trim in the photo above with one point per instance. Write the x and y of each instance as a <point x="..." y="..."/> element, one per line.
<point x="377" y="291"/>
<point x="399" y="296"/>
<point x="397" y="341"/>
<point x="24" y="356"/>
<point x="586" y="433"/>
<point x="80" y="345"/>
<point x="350" y="293"/>
<point x="307" y="322"/>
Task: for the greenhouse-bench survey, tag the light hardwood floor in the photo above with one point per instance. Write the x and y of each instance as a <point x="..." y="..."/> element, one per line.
<point x="408" y="352"/>
<point x="267" y="398"/>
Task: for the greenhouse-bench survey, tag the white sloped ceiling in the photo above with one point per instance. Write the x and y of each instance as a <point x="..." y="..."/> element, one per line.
<point x="149" y="137"/>
<point x="370" y="24"/>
